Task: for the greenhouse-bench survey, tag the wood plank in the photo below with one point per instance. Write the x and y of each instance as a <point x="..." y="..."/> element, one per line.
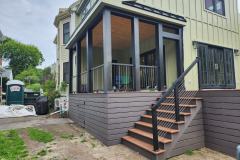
<point x="190" y="98"/>
<point x="172" y="112"/>
<point x="181" y="105"/>
<point x="146" y="146"/>
<point x="149" y="125"/>
<point x="150" y="135"/>
<point x="164" y="119"/>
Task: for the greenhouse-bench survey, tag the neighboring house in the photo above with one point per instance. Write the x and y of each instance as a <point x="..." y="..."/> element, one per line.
<point x="7" y="73"/>
<point x="65" y="23"/>
<point x="62" y="23"/>
<point x="124" y="54"/>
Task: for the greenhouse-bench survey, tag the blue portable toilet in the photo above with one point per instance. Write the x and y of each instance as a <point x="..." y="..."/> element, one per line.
<point x="15" y="92"/>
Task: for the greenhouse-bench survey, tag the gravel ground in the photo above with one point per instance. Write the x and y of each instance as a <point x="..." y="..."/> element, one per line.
<point x="74" y="143"/>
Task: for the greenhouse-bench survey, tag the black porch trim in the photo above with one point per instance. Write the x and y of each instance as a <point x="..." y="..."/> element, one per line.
<point x="78" y="48"/>
<point x="89" y="47"/>
<point x="70" y="69"/>
<point x="136" y="52"/>
<point x="160" y="57"/>
<point x="154" y="10"/>
<point x="107" y="50"/>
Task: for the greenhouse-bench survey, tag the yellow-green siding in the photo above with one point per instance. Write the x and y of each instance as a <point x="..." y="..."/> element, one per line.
<point x="201" y="25"/>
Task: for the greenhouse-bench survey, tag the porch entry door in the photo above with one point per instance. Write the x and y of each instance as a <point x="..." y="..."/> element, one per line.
<point x="172" y="61"/>
<point x="216" y="67"/>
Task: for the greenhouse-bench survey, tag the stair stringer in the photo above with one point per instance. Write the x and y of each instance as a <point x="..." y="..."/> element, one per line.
<point x="182" y="129"/>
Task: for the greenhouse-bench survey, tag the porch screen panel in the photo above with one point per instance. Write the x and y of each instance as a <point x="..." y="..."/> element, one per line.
<point x="229" y="68"/>
<point x="218" y="66"/>
<point x="204" y="65"/>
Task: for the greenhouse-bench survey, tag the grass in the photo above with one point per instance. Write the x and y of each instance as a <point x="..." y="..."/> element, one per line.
<point x="12" y="146"/>
<point x="67" y="136"/>
<point x="40" y="135"/>
<point x="43" y="152"/>
<point x="189" y="152"/>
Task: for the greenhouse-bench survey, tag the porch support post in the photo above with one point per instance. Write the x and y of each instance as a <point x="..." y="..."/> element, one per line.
<point x="107" y="50"/>
<point x="136" y="52"/>
<point x="70" y="69"/>
<point x="78" y="48"/>
<point x="89" y="48"/>
<point x="181" y="58"/>
<point x="160" y="58"/>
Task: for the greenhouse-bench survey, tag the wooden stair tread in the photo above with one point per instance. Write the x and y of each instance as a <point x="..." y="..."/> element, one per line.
<point x="172" y="112"/>
<point x="149" y="125"/>
<point x="146" y="146"/>
<point x="181" y="105"/>
<point x="164" y="119"/>
<point x="149" y="135"/>
<point x="192" y="98"/>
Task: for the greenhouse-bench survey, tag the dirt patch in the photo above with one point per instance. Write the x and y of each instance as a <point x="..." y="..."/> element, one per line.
<point x="74" y="143"/>
<point x="203" y="154"/>
<point x="33" y="146"/>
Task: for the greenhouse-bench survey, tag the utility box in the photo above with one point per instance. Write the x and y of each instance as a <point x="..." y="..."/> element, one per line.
<point x="15" y="92"/>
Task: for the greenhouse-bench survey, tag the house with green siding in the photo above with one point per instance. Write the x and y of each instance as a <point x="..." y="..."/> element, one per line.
<point x="160" y="76"/>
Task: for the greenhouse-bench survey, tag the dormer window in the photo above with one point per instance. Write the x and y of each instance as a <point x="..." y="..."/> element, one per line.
<point x="216" y="6"/>
<point x="66" y="32"/>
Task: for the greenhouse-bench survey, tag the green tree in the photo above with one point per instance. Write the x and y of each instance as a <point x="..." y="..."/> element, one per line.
<point x="47" y="74"/>
<point x="35" y="87"/>
<point x="20" y="56"/>
<point x="30" y="76"/>
<point x="51" y="92"/>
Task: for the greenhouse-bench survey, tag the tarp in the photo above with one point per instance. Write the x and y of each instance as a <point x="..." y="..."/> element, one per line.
<point x="17" y="111"/>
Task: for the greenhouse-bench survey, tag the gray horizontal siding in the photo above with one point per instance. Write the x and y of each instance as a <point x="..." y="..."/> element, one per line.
<point x="109" y="116"/>
<point x="90" y="112"/>
<point x="221" y="112"/>
<point x="124" y="109"/>
<point x="192" y="138"/>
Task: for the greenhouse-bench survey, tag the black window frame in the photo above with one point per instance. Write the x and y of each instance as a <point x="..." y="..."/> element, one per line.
<point x="227" y="54"/>
<point x="66" y="32"/>
<point x="215" y="7"/>
<point x="66" y="74"/>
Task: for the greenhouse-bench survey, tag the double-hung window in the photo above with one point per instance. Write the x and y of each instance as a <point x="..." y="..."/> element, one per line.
<point x="216" y="6"/>
<point x="216" y="69"/>
<point x="66" y="32"/>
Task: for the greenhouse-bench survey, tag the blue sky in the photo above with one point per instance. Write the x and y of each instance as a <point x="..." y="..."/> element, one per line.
<point x="31" y="22"/>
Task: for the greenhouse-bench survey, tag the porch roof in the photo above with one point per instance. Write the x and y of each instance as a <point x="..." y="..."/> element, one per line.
<point x="118" y="5"/>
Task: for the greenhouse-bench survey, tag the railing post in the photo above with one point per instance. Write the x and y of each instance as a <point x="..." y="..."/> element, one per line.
<point x="176" y="99"/>
<point x="155" y="129"/>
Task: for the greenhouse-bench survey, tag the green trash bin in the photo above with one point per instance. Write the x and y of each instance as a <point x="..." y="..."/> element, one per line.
<point x="15" y="92"/>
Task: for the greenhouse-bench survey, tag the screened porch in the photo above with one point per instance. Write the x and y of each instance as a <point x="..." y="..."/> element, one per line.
<point x="121" y="52"/>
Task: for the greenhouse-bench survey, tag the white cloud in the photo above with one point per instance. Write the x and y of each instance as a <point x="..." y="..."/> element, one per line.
<point x="31" y="21"/>
<point x="239" y="6"/>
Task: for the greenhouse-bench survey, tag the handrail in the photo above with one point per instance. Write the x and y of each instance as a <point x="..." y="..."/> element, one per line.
<point x="121" y="64"/>
<point x="146" y="66"/>
<point x="180" y="78"/>
<point x="174" y="87"/>
<point x="84" y="72"/>
<point x="94" y="68"/>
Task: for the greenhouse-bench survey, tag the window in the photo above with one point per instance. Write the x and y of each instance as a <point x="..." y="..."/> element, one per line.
<point x="216" y="6"/>
<point x="66" y="72"/>
<point x="170" y="30"/>
<point x="216" y="67"/>
<point x="66" y="32"/>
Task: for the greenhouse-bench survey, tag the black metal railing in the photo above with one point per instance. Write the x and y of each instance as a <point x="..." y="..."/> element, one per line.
<point x="98" y="78"/>
<point x="84" y="82"/>
<point x="122" y="77"/>
<point x="172" y="98"/>
<point x="148" y="77"/>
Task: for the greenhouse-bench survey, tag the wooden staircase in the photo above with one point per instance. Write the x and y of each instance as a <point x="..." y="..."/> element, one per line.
<point x="140" y="138"/>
